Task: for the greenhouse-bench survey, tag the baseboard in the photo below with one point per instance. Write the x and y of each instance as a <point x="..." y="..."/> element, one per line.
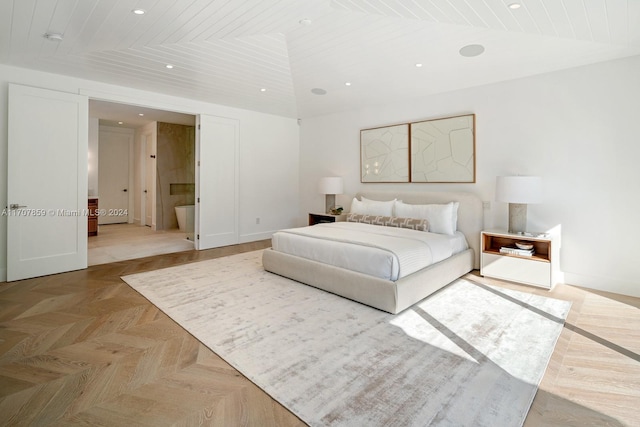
<point x="606" y="284"/>
<point x="3" y="274"/>
<point x="254" y="237"/>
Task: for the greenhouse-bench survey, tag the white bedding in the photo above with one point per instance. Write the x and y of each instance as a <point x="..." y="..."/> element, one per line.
<point x="386" y="252"/>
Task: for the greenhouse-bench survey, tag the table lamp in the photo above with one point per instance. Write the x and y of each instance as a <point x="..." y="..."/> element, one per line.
<point x="518" y="191"/>
<point x="330" y="186"/>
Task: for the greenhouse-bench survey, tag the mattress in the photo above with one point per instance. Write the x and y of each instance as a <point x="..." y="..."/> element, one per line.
<point x="386" y="252"/>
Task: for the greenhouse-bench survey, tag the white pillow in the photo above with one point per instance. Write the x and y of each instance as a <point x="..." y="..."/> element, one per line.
<point x="393" y="208"/>
<point x="357" y="207"/>
<point x="372" y="207"/>
<point x="442" y="219"/>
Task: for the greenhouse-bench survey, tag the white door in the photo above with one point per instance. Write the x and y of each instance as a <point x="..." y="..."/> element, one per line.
<point x="217" y="152"/>
<point x="113" y="175"/>
<point x="150" y="180"/>
<point x="47" y="176"/>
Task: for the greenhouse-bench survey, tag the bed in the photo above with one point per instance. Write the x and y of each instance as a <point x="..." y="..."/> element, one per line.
<point x="388" y="290"/>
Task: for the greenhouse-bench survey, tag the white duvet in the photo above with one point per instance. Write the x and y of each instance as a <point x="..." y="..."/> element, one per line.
<point x="386" y="252"/>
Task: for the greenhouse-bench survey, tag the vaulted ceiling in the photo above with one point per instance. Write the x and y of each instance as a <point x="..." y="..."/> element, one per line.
<point x="274" y="56"/>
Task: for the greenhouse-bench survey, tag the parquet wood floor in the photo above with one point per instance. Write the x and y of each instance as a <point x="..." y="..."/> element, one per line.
<point x="83" y="348"/>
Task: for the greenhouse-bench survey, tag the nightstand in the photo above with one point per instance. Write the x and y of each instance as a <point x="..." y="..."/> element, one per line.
<point x="317" y="218"/>
<point x="501" y="259"/>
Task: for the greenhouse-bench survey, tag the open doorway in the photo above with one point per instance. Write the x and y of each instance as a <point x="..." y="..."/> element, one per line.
<point x="142" y="174"/>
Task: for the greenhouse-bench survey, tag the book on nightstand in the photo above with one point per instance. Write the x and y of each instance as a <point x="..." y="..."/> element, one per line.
<point x="517" y="251"/>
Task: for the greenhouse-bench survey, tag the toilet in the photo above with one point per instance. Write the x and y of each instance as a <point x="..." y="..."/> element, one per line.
<point x="186" y="217"/>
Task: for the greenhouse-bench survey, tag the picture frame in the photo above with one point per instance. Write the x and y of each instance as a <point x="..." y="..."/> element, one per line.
<point x="443" y="150"/>
<point x="384" y="154"/>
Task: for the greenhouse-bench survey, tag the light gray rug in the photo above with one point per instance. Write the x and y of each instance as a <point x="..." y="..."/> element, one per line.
<point x="469" y="355"/>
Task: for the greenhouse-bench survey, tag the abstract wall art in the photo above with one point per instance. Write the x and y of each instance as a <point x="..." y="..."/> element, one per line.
<point x="384" y="154"/>
<point x="443" y="150"/>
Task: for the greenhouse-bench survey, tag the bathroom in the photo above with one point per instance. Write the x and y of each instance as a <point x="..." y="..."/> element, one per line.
<point x="141" y="161"/>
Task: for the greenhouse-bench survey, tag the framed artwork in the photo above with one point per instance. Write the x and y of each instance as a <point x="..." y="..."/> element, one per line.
<point x="384" y="154"/>
<point x="443" y="150"/>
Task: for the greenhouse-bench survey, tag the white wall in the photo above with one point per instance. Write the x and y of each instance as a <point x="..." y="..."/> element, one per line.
<point x="269" y="150"/>
<point x="577" y="128"/>
<point x="269" y="176"/>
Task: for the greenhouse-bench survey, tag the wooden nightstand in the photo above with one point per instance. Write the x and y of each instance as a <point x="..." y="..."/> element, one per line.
<point x="538" y="269"/>
<point x="317" y="218"/>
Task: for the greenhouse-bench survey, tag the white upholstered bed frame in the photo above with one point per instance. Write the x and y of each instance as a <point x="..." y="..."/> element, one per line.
<point x="386" y="295"/>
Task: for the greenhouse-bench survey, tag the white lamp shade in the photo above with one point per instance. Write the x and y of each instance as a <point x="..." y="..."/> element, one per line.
<point x="519" y="189"/>
<point x="331" y="185"/>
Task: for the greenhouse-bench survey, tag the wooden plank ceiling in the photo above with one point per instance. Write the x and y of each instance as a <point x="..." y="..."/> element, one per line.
<point x="228" y="51"/>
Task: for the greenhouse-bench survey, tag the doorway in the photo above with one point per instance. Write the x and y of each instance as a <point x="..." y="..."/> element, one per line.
<point x="66" y="232"/>
<point x="130" y="181"/>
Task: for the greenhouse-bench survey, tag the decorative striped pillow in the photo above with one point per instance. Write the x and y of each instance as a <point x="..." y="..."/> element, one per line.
<point x="390" y="221"/>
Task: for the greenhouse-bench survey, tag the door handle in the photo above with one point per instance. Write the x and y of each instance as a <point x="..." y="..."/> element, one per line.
<point x="16" y="206"/>
<point x="125" y="190"/>
<point x="145" y="191"/>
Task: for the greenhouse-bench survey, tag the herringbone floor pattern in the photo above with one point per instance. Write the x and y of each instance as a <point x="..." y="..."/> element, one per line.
<point x="83" y="348"/>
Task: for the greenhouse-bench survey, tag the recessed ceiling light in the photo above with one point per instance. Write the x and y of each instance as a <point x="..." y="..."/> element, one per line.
<point x="169" y="66"/>
<point x="120" y="123"/>
<point x="347" y="83"/>
<point x="318" y="91"/>
<point x="471" y="50"/>
<point x="263" y="90"/>
<point x="139" y="11"/>
<point x="514" y="6"/>
<point x="305" y="21"/>
<point x="418" y="65"/>
<point x="141" y="114"/>
<point x="56" y="37"/>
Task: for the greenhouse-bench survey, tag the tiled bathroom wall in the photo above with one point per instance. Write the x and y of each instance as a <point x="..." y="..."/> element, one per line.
<point x="175" y="168"/>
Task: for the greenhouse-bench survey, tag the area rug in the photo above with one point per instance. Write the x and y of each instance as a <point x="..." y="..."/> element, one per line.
<point x="469" y="355"/>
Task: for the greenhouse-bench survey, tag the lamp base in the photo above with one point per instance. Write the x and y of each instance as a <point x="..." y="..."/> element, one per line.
<point x="517" y="217"/>
<point x="329" y="202"/>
